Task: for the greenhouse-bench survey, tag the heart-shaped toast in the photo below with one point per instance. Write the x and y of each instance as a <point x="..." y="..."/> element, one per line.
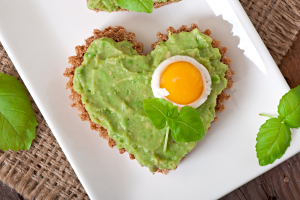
<point x="135" y="5"/>
<point x="110" y="77"/>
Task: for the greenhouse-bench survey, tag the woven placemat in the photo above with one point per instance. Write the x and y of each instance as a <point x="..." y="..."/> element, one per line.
<point x="44" y="172"/>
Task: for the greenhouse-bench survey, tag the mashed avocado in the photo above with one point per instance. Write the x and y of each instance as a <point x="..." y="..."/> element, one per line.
<point x="113" y="80"/>
<point x="109" y="5"/>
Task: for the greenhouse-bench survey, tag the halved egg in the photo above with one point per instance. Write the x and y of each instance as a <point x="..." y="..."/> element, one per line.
<point x="181" y="80"/>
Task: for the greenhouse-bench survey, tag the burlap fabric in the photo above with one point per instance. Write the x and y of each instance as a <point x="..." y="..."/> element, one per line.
<point x="44" y="172"/>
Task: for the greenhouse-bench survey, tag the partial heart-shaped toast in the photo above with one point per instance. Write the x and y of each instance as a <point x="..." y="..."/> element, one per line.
<point x="98" y="5"/>
<point x="117" y="37"/>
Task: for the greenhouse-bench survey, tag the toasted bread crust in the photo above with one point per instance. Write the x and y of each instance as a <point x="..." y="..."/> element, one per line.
<point x="155" y="5"/>
<point x="119" y="34"/>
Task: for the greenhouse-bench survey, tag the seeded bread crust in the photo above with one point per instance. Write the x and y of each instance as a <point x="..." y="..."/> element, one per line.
<point x="119" y="34"/>
<point x="155" y="5"/>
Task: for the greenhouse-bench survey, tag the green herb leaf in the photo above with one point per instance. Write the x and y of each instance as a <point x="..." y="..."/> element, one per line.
<point x="17" y="120"/>
<point x="289" y="108"/>
<point x="158" y="110"/>
<point x="137" y="5"/>
<point x="188" y="126"/>
<point x="272" y="139"/>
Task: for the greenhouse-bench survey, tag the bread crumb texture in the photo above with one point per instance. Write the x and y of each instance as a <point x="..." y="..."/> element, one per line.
<point x="119" y="34"/>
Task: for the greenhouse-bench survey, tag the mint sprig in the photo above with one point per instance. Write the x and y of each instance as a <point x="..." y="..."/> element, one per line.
<point x="137" y="5"/>
<point x="185" y="126"/>
<point x="274" y="135"/>
<point x="17" y="120"/>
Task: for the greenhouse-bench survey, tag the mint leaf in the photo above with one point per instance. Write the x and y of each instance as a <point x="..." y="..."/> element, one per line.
<point x="158" y="110"/>
<point x="137" y="5"/>
<point x="289" y="108"/>
<point x="188" y="126"/>
<point x="17" y="120"/>
<point x="272" y="139"/>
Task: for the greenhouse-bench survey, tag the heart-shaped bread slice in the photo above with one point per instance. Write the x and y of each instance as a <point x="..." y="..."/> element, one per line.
<point x="112" y="5"/>
<point x="110" y="77"/>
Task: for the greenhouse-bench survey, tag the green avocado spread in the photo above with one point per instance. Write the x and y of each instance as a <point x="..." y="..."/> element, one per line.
<point x="113" y="80"/>
<point x="109" y="5"/>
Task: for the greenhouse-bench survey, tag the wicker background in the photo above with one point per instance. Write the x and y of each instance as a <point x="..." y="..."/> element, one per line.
<point x="44" y="172"/>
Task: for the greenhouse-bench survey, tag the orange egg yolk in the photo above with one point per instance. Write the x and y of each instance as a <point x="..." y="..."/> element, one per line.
<point x="183" y="81"/>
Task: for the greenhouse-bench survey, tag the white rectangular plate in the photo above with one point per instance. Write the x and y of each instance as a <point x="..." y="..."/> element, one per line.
<point x="39" y="36"/>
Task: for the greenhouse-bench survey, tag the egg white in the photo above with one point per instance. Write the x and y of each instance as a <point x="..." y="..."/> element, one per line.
<point x="162" y="92"/>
